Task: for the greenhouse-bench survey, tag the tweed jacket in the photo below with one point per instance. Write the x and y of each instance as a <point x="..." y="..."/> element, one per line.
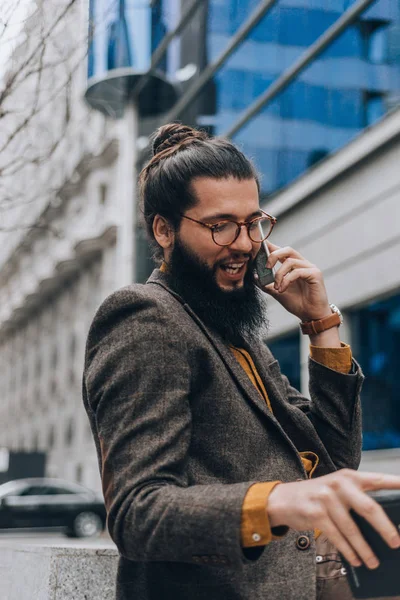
<point x="182" y="433"/>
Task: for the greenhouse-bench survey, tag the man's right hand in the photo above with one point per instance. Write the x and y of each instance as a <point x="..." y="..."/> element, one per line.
<point x="325" y="502"/>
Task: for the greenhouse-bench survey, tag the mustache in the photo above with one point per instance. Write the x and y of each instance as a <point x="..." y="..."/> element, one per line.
<point x="236" y="315"/>
<point x="235" y="258"/>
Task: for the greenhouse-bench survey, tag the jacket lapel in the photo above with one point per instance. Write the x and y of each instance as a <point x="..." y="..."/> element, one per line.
<point x="298" y="429"/>
<point x="260" y="356"/>
<point x="223" y="350"/>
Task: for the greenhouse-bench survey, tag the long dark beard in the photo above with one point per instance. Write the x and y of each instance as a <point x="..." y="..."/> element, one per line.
<point x="237" y="315"/>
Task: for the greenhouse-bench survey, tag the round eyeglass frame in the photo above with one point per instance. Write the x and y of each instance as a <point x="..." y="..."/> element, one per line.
<point x="213" y="226"/>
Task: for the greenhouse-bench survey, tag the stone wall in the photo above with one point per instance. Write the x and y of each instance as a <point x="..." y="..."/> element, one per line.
<point x="57" y="572"/>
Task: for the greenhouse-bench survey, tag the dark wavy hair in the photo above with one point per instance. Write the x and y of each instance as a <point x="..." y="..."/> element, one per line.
<point x="181" y="154"/>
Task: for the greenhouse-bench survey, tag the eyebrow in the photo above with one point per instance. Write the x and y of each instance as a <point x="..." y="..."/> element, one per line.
<point x="223" y="216"/>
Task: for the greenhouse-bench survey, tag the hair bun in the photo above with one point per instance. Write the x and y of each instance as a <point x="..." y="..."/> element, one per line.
<point x="172" y="134"/>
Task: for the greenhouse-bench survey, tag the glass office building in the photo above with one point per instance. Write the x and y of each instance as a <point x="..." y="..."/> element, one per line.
<point x="340" y="91"/>
<point x="229" y="54"/>
<point x="291" y="82"/>
<point x="376" y="343"/>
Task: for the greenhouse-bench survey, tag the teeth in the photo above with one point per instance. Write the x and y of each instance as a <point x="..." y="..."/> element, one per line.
<point x="234" y="265"/>
<point x="233" y="268"/>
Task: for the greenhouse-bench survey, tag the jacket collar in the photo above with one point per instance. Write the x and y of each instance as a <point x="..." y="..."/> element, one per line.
<point x="262" y="360"/>
<point x="161" y="279"/>
<point x="260" y="356"/>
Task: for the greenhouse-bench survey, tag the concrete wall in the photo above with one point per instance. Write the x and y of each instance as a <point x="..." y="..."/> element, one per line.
<point x="344" y="216"/>
<point x="349" y="227"/>
<point x="57" y="573"/>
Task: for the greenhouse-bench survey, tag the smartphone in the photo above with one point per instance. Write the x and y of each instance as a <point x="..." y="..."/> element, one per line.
<point x="264" y="275"/>
<point x="383" y="581"/>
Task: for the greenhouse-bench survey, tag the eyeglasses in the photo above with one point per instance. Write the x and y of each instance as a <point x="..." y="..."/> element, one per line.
<point x="227" y="232"/>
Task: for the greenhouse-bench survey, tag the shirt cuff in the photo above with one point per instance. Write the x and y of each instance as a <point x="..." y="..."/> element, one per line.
<point x="255" y="527"/>
<point x="337" y="359"/>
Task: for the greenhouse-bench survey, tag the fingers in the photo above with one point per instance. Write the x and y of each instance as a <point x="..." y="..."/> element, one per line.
<point x="270" y="289"/>
<point x="289" y="266"/>
<point x="377" y="481"/>
<point x="293" y="267"/>
<point x="350" y="490"/>
<point x="272" y="247"/>
<point x="372" y="512"/>
<point x="326" y="503"/>
<point x="337" y="498"/>
<point x="353" y="545"/>
<point x="309" y="274"/>
<point x="341" y="543"/>
<point x="281" y="254"/>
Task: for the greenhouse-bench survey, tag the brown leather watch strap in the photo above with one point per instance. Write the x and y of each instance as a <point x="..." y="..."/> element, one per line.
<point x="320" y="325"/>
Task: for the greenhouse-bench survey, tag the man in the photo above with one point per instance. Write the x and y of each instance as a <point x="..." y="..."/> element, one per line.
<point x="217" y="474"/>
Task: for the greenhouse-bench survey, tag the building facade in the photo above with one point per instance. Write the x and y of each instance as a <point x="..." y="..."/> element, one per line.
<point x="344" y="215"/>
<point x="308" y="89"/>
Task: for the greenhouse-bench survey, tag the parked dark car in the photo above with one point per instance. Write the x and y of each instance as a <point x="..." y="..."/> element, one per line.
<point x="51" y="503"/>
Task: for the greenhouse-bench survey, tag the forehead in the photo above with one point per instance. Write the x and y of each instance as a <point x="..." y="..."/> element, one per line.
<point x="229" y="196"/>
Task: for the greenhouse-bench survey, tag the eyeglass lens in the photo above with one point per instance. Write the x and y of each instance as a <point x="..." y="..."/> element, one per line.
<point x="226" y="232"/>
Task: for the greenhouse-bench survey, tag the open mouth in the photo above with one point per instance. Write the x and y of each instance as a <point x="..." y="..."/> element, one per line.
<point x="234" y="269"/>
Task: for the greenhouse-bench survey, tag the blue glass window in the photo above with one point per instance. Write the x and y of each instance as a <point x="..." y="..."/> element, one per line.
<point x="349" y="45"/>
<point x="266" y="162"/>
<point x="349" y="86"/>
<point x="287" y="352"/>
<point x="234" y="89"/>
<point x="291" y="163"/>
<point x="300" y="27"/>
<point x="374" y="107"/>
<point x="226" y="17"/>
<point x="218" y="18"/>
<point x="376" y="344"/>
<point x="377" y="47"/>
<point x="267" y="30"/>
<point x="158" y="31"/>
<point x="375" y="40"/>
<point x="345" y="108"/>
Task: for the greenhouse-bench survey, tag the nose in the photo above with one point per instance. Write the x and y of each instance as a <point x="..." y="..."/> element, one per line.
<point x="243" y="243"/>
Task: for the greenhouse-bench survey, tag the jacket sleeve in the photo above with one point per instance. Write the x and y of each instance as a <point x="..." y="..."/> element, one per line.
<point x="136" y="391"/>
<point x="334" y="409"/>
<point x="256" y="530"/>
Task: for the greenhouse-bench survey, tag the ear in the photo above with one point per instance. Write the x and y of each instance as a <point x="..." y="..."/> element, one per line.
<point x="163" y="232"/>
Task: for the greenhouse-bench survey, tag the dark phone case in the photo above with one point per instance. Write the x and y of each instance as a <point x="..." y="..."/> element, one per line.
<point x="265" y="276"/>
<point x="385" y="580"/>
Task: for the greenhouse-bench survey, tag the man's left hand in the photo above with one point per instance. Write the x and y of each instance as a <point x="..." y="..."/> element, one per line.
<point x="299" y="284"/>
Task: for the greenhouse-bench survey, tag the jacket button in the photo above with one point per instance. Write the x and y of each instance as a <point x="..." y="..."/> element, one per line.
<point x="303" y="542"/>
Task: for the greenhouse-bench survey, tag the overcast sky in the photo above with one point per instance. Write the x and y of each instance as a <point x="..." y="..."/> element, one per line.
<point x="13" y="13"/>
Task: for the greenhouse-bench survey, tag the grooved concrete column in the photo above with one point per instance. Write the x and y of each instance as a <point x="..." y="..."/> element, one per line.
<point x="304" y="355"/>
<point x="126" y="201"/>
<point x="57" y="572"/>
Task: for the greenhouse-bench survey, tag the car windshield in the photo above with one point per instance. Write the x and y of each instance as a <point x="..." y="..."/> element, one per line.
<point x="55" y="486"/>
<point x="10" y="487"/>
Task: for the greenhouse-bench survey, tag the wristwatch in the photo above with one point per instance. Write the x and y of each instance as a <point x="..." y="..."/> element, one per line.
<point x="320" y="325"/>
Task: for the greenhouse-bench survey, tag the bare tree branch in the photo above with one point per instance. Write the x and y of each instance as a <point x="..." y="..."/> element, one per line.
<point x="12" y="78"/>
<point x="8" y="12"/>
<point x="42" y="114"/>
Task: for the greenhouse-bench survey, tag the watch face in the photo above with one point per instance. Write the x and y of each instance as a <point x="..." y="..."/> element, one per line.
<point x="335" y="309"/>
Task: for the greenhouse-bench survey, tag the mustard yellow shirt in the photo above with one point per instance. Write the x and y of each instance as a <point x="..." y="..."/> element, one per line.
<point x="254" y="514"/>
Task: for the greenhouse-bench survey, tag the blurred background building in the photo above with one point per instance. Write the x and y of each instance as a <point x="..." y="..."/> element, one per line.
<point x="310" y="89"/>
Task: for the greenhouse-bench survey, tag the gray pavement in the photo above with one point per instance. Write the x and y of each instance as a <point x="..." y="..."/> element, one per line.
<point x="46" y="538"/>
